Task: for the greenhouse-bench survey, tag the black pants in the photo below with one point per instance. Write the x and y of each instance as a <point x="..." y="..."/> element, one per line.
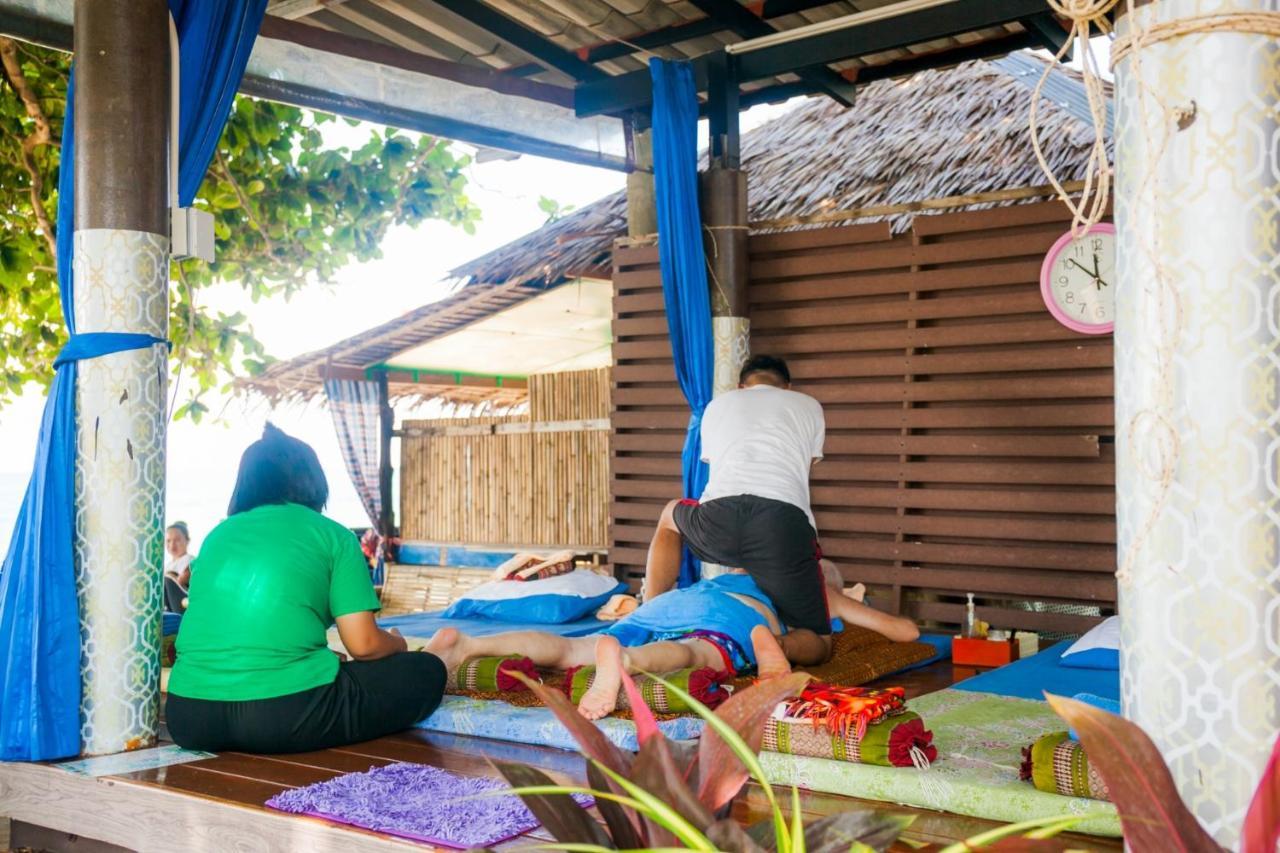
<point x="368" y="699"/>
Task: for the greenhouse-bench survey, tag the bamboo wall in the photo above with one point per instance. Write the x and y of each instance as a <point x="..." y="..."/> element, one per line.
<point x="537" y="479"/>
<point x="969" y="435"/>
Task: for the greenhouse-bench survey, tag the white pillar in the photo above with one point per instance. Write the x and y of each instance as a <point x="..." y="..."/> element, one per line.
<point x="1198" y="402"/>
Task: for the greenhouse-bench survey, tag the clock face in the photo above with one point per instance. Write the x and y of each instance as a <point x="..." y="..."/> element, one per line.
<point x="1078" y="280"/>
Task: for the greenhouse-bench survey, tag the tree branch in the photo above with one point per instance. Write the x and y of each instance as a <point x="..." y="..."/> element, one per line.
<point x="244" y="203"/>
<point x="41" y="135"/>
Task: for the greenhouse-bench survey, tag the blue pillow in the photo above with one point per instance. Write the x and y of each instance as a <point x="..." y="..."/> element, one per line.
<point x="550" y="601"/>
<point x="1098" y="649"/>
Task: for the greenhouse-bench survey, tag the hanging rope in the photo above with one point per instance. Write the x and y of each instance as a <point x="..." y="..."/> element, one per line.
<point x="1085" y="16"/>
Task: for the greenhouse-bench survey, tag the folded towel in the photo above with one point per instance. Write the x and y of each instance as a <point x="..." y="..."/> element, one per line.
<point x="617" y="607"/>
<point x="1058" y="765"/>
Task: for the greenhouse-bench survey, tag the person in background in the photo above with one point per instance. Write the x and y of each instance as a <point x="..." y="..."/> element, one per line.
<point x="177" y="539"/>
<point x="254" y="672"/>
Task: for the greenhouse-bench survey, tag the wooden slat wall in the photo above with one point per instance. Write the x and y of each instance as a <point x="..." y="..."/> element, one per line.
<point x="529" y="488"/>
<point x="969" y="444"/>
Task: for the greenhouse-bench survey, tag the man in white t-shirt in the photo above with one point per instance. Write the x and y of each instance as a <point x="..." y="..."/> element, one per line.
<point x="760" y="441"/>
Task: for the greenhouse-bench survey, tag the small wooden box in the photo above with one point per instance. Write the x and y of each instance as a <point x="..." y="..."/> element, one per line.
<point x="973" y="651"/>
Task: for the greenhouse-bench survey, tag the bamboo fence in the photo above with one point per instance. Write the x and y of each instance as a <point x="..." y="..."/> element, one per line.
<point x="536" y="479"/>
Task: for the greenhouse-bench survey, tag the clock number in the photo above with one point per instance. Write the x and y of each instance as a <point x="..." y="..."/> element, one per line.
<point x="1097" y="244"/>
<point x="1082" y="307"/>
<point x="1063" y="280"/>
<point x="1101" y="313"/>
<point x="1070" y="298"/>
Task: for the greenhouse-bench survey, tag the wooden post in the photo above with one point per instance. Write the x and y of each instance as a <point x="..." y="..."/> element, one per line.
<point x="642" y="206"/>
<point x="1196" y="395"/>
<point x="385" y="471"/>
<point x="121" y="285"/>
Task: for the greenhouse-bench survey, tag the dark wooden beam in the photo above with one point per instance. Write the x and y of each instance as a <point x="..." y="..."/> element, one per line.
<point x="633" y="91"/>
<point x="1049" y="32"/>
<point x="742" y="21"/>
<point x="938" y="22"/>
<point x="396" y="57"/>
<point x="516" y="34"/>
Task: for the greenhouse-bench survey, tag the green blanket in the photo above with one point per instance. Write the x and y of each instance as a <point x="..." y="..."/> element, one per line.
<point x="979" y="737"/>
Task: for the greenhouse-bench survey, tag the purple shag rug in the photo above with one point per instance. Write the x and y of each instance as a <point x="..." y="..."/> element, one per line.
<point x="417" y="802"/>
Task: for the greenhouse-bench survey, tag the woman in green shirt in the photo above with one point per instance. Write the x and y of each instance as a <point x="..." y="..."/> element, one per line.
<point x="254" y="671"/>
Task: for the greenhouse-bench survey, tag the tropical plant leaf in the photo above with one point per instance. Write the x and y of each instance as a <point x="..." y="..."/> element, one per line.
<point x="626" y="827"/>
<point x="1039" y="829"/>
<point x="655" y="770"/>
<point x="729" y="836"/>
<point x="592" y="741"/>
<point x="1025" y="844"/>
<point x="560" y="815"/>
<point x="664" y="815"/>
<point x="1151" y="810"/>
<point x="839" y="832"/>
<point x="1261" y="831"/>
<point x="646" y="726"/>
<point x="722" y="769"/>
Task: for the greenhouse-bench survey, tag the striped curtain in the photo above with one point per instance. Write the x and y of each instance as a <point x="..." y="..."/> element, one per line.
<point x="356" y="414"/>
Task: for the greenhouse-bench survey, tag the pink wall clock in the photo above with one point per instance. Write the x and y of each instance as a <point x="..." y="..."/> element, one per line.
<point x="1078" y="280"/>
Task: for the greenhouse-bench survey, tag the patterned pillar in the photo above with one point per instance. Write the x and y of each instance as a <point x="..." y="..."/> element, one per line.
<point x="732" y="337"/>
<point x="121" y="280"/>
<point x="121" y="270"/>
<point x="1198" y="402"/>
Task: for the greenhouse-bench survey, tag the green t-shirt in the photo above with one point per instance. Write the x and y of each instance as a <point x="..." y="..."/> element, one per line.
<point x="265" y="588"/>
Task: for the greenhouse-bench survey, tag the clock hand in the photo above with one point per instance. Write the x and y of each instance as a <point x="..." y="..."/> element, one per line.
<point x="1082" y="268"/>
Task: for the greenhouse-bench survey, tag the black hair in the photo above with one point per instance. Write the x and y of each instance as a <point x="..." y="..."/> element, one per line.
<point x="765" y="364"/>
<point x="279" y="469"/>
<point x="181" y="527"/>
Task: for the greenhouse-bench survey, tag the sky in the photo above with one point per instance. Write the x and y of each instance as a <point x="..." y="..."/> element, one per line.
<point x="412" y="272"/>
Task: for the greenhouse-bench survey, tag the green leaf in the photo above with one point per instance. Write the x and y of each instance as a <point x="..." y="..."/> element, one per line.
<point x="560" y="815"/>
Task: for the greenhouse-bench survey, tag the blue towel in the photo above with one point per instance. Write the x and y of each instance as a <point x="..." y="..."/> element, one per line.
<point x="1111" y="706"/>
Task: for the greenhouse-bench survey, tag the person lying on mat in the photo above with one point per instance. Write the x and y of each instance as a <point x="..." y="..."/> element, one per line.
<point x="761" y="442"/>
<point x="254" y="672"/>
<point x="725" y="623"/>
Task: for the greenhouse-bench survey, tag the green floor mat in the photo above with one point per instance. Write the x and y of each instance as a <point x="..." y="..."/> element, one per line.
<point x="980" y="737"/>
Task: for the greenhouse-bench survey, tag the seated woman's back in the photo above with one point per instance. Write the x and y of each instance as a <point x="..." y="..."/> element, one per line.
<point x="268" y="584"/>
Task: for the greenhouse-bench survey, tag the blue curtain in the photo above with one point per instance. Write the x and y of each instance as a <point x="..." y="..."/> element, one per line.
<point x="684" y="270"/>
<point x="39" y="613"/>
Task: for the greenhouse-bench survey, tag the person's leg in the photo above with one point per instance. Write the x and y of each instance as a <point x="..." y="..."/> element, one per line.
<point x="662" y="568"/>
<point x="665" y="656"/>
<point x="548" y="650"/>
<point x="900" y="629"/>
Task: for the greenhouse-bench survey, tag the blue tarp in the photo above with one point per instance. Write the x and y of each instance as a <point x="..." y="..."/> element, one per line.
<point x="684" y="271"/>
<point x="39" y="613"/>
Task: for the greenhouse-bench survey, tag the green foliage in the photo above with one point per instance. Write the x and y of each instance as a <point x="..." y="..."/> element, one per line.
<point x="289" y="211"/>
<point x="554" y="210"/>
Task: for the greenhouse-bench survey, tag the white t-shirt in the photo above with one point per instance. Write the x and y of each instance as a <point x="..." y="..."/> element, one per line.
<point x="762" y="441"/>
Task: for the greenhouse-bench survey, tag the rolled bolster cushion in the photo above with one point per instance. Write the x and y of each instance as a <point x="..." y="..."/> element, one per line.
<point x="492" y="675"/>
<point x="705" y="684"/>
<point x="897" y="741"/>
<point x="1058" y="765"/>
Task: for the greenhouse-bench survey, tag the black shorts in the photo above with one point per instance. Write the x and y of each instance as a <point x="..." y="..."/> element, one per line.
<point x="773" y="542"/>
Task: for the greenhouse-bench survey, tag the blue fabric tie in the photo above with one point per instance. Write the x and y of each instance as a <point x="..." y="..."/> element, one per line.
<point x="39" y="610"/>
<point x="684" y="266"/>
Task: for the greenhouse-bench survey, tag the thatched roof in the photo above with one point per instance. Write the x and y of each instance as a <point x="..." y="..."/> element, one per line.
<point x="932" y="135"/>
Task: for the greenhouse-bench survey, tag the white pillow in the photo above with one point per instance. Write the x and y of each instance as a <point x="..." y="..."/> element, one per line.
<point x="1098" y="649"/>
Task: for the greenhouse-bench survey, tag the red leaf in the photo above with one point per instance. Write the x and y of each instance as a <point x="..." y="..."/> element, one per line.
<point x="593" y="742"/>
<point x="720" y="773"/>
<point x="1261" y="830"/>
<point x="646" y="725"/>
<point x="1151" y="810"/>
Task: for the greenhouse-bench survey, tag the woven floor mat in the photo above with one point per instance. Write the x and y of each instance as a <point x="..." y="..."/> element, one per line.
<point x="860" y="656"/>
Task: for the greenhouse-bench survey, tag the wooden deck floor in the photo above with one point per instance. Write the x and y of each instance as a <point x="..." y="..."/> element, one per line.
<point x="216" y="804"/>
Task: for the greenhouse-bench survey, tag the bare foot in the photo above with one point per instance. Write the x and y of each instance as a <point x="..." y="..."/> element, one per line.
<point x="451" y="646"/>
<point x="602" y="698"/>
<point x="770" y="659"/>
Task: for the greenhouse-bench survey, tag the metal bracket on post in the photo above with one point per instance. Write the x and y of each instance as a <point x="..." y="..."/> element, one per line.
<point x="722" y="110"/>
